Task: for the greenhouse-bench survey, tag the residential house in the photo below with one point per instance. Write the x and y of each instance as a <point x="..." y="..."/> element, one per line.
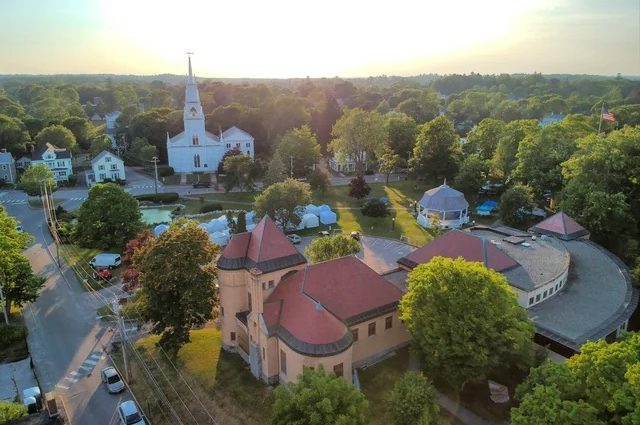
<point x="105" y="166"/>
<point x="57" y="159"/>
<point x="7" y="167"/>
<point x="281" y="314"/>
<point x="346" y="164"/>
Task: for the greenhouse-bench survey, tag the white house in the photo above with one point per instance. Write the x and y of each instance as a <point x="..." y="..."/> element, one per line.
<point x="444" y="203"/>
<point x="7" y="167"/>
<point x="195" y="149"/>
<point x="57" y="159"/>
<point x="346" y="164"/>
<point x="105" y="166"/>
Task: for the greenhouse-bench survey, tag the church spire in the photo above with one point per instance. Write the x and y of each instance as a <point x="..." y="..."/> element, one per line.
<point x="190" y="78"/>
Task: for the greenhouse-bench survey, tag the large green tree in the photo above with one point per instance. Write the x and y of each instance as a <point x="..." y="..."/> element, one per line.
<point x="465" y="320"/>
<point x="275" y="172"/>
<point x="401" y="130"/>
<point x="483" y="140"/>
<point x="58" y="135"/>
<point x="437" y="151"/>
<point x="359" y="136"/>
<point x="82" y="130"/>
<point x="100" y="143"/>
<point x="330" y="247"/>
<point x="515" y="205"/>
<point x="299" y="151"/>
<point x="318" y="398"/>
<point x="472" y="175"/>
<point x="13" y="135"/>
<point x="504" y="158"/>
<point x="109" y="218"/>
<point x="239" y="170"/>
<point x="413" y="401"/>
<point x="177" y="276"/>
<point x="284" y="202"/>
<point x="34" y="177"/>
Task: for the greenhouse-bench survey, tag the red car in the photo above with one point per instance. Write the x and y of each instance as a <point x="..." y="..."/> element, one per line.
<point x="102" y="274"/>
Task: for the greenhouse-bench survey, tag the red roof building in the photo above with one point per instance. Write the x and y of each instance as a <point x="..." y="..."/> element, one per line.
<point x="561" y="226"/>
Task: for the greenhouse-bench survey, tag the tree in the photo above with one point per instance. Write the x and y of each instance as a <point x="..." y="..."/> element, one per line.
<point x="227" y="154"/>
<point x="504" y="158"/>
<point x="484" y="139"/>
<point x="358" y="136"/>
<point x="320" y="181"/>
<point x="81" y="129"/>
<point x="437" y="151"/>
<point x="401" y="131"/>
<point x="241" y="225"/>
<point x="108" y="218"/>
<point x="131" y="274"/>
<point x="10" y="411"/>
<point x="177" y="276"/>
<point x="318" y="398"/>
<point x="142" y="151"/>
<point x="358" y="187"/>
<point x="388" y="163"/>
<point x="466" y="321"/>
<point x="19" y="284"/>
<point x="472" y="174"/>
<point x="283" y="202"/>
<point x="34" y="177"/>
<point x="515" y="205"/>
<point x="544" y="406"/>
<point x="57" y="135"/>
<point x="152" y="125"/>
<point x="275" y="172"/>
<point x="413" y="401"/>
<point x="299" y="149"/>
<point x="239" y="171"/>
<point x="330" y="247"/>
<point x="13" y="135"/>
<point x="100" y="143"/>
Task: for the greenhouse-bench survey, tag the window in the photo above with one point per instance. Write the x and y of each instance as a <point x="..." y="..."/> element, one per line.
<point x="264" y="285"/>
<point x="221" y="311"/>
<point x="388" y="322"/>
<point x="195" y="141"/>
<point x="354" y="332"/>
<point x="550" y="291"/>
<point x="107" y="159"/>
<point x="238" y="145"/>
<point x="233" y="336"/>
<point x="102" y="176"/>
<point x="283" y="362"/>
<point x="248" y="145"/>
<point x="248" y="153"/>
<point x="249" y="300"/>
<point x="264" y="354"/>
<point x="537" y="297"/>
<point x="228" y="145"/>
<point x="544" y="295"/>
<point x="4" y="167"/>
<point x="271" y="284"/>
<point x="114" y="166"/>
<point x="196" y="161"/>
<point x="372" y="328"/>
<point x="62" y="173"/>
<point x="530" y="300"/>
<point x="100" y="167"/>
<point x="338" y="369"/>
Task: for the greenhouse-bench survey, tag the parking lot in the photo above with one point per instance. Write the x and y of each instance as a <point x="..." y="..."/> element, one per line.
<point x="378" y="253"/>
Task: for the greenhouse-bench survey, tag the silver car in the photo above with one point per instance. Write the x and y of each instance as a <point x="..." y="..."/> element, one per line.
<point x="129" y="414"/>
<point x="112" y="380"/>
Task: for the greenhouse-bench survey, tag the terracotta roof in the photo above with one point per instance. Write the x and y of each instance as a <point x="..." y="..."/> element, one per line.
<point x="561" y="226"/>
<point x="456" y="243"/>
<point x="265" y="248"/>
<point x="312" y="309"/>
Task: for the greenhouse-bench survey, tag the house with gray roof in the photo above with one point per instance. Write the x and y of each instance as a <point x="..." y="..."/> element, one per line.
<point x="7" y="167"/>
<point x="57" y="159"/>
<point x="105" y="167"/>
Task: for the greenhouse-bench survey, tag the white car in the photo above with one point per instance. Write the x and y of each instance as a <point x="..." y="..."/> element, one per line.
<point x="295" y="239"/>
<point x="129" y="414"/>
<point x="112" y="380"/>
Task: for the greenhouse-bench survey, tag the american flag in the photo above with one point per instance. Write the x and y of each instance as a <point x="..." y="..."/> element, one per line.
<point x="608" y="116"/>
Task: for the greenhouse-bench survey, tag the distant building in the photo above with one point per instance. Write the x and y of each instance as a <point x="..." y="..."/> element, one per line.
<point x="347" y="165"/>
<point x="197" y="150"/>
<point x="444" y="203"/>
<point x="96" y="117"/>
<point x="551" y="118"/>
<point x="7" y="167"/>
<point x="105" y="166"/>
<point x="111" y="124"/>
<point x="57" y="159"/>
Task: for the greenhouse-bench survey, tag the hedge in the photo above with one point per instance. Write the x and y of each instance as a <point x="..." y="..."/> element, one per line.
<point x="165" y="198"/>
<point x="208" y="207"/>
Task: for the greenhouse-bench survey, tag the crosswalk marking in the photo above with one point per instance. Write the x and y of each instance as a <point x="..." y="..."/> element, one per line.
<point x="91" y="362"/>
<point x="64" y="387"/>
<point x="85" y="368"/>
<point x="74" y="373"/>
<point x="13" y="201"/>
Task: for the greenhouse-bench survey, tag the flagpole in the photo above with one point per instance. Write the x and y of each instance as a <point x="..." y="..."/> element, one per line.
<point x="601" y="112"/>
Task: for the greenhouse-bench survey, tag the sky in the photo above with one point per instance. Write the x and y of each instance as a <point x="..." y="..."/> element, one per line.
<point x="299" y="38"/>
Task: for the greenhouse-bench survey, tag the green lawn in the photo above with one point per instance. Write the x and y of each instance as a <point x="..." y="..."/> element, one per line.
<point x="13" y="341"/>
<point x="377" y="382"/>
<point x="78" y="259"/>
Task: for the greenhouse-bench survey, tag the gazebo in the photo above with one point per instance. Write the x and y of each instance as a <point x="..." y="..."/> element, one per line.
<point x="444" y="203"/>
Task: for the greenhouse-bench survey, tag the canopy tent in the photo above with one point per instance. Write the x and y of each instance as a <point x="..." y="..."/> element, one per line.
<point x="328" y="217"/>
<point x="486" y="208"/>
<point x="206" y="226"/>
<point x="160" y="229"/>
<point x="309" y="221"/>
<point x="250" y="216"/>
<point x="251" y="226"/>
<point x="323" y="207"/>
<point x="219" y="238"/>
<point x="217" y="225"/>
<point x="311" y="209"/>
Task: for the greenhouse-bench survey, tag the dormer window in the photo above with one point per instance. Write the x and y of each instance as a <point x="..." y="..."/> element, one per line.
<point x="195" y="141"/>
<point x="107" y="159"/>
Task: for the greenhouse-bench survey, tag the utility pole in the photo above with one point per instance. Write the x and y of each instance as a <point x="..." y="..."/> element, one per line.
<point x="291" y="158"/>
<point x="155" y="166"/>
<point x="117" y="310"/>
<point x="4" y="307"/>
<point x="601" y="112"/>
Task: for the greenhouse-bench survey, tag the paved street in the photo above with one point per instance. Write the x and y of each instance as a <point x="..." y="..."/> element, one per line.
<point x="65" y="339"/>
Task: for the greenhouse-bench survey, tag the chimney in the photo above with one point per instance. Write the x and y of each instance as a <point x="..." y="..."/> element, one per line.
<point x="3" y="150"/>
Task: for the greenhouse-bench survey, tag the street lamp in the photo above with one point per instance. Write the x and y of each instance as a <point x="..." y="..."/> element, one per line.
<point x="155" y="166"/>
<point x="393" y="223"/>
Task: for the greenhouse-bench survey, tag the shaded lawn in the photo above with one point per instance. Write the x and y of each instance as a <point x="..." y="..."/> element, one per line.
<point x="78" y="258"/>
<point x="17" y="350"/>
<point x="222" y="381"/>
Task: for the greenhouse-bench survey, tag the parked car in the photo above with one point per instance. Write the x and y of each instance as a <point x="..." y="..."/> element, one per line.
<point x="105" y="261"/>
<point x="491" y="189"/>
<point x="112" y="380"/>
<point x="201" y="184"/>
<point x="129" y="414"/>
<point x="102" y="274"/>
<point x="295" y="239"/>
<point x="355" y="235"/>
<point x="323" y="233"/>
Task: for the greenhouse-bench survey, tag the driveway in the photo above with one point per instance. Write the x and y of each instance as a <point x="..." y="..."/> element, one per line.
<point x="378" y="253"/>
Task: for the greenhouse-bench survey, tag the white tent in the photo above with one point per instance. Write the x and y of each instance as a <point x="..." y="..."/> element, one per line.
<point x="323" y="207"/>
<point x="217" y="225"/>
<point x="311" y="209"/>
<point x="309" y="221"/>
<point x="250" y="216"/>
<point x="251" y="226"/>
<point x="160" y="229"/>
<point x="219" y="238"/>
<point x="328" y="217"/>
<point x="206" y="227"/>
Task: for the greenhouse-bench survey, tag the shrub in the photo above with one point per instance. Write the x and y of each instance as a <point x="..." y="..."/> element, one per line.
<point x="165" y="198"/>
<point x="210" y="206"/>
<point x="73" y="180"/>
<point x="11" y="334"/>
<point x="166" y="171"/>
<point x="412" y="400"/>
<point x="358" y="188"/>
<point x="10" y="411"/>
<point x="374" y="208"/>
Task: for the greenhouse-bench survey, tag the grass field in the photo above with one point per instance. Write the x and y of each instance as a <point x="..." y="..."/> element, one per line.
<point x="13" y="348"/>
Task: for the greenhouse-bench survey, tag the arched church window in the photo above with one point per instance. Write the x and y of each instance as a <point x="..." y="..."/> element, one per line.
<point x="194" y="140"/>
<point x="196" y="161"/>
<point x="193" y="111"/>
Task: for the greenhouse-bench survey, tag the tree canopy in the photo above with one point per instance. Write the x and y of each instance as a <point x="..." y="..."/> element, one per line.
<point x="515" y="205"/>
<point x="330" y="247"/>
<point x="58" y="135"/>
<point x="177" y="276"/>
<point x="283" y="202"/>
<point x="318" y="398"/>
<point x="109" y="218"/>
<point x="34" y="177"/>
<point x="413" y="401"/>
<point x="437" y="151"/>
<point x="465" y="320"/>
<point x="299" y="148"/>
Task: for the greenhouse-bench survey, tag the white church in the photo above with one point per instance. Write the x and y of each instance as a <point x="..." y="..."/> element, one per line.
<point x="197" y="150"/>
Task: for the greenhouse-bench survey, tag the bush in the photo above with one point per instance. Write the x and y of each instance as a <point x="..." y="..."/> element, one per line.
<point x="11" y="334"/>
<point x="73" y="180"/>
<point x="358" y="188"/>
<point x="210" y="206"/>
<point x="166" y="171"/>
<point x="412" y="400"/>
<point x="10" y="411"/>
<point x="374" y="208"/>
<point x="165" y="198"/>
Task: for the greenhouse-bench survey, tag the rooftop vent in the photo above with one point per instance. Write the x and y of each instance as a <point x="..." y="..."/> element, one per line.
<point x="514" y="240"/>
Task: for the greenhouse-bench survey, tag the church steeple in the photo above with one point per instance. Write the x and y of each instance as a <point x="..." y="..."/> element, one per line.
<point x="190" y="78"/>
<point x="193" y="115"/>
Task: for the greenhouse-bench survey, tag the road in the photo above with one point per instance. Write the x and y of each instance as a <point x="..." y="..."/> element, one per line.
<point x="65" y="339"/>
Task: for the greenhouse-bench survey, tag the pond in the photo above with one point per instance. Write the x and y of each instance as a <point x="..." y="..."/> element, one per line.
<point x="156" y="215"/>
